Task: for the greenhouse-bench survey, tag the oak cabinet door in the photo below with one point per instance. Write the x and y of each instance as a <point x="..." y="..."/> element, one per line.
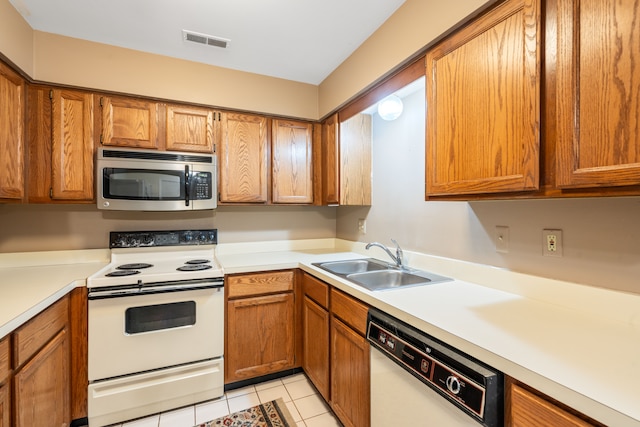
<point x="243" y="158"/>
<point x="292" y="157"/>
<point x="42" y="386"/>
<point x="71" y="145"/>
<point x="356" y="136"/>
<point x="315" y="339"/>
<point x="130" y="122"/>
<point x="483" y="104"/>
<point x="350" y="382"/>
<point x="189" y="129"/>
<point x="331" y="161"/>
<point x="11" y="134"/>
<point x="260" y="336"/>
<point x="5" y="405"/>
<point x="598" y="101"/>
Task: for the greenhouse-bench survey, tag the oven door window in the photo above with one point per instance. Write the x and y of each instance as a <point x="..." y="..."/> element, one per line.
<point x="143" y="184"/>
<point x="159" y="317"/>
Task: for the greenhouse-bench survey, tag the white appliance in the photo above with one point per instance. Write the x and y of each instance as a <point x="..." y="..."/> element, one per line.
<point x="146" y="180"/>
<point x="156" y="325"/>
<point x="418" y="381"/>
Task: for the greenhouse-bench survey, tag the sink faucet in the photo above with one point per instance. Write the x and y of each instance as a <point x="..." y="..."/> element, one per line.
<point x="397" y="258"/>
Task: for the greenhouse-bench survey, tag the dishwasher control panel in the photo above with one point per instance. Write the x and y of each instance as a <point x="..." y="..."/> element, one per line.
<point x="474" y="387"/>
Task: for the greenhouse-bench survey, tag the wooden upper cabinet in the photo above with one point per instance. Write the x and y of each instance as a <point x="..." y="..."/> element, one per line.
<point x="346" y="160"/>
<point x="243" y="157"/>
<point x="72" y="145"/>
<point x="597" y="96"/>
<point x="12" y="108"/>
<point x="483" y="104"/>
<point x="130" y="122"/>
<point x="356" y="136"/>
<point x="331" y="161"/>
<point x="60" y="133"/>
<point x="189" y="129"/>
<point x="292" y="157"/>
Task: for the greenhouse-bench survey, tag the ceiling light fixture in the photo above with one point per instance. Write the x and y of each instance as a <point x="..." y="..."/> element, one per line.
<point x="390" y="107"/>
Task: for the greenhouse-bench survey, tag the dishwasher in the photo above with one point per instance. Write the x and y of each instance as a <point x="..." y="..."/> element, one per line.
<point x="419" y="381"/>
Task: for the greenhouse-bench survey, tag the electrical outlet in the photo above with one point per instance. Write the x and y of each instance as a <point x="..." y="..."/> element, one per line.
<point x="362" y="226"/>
<point x="501" y="239"/>
<point x="552" y="242"/>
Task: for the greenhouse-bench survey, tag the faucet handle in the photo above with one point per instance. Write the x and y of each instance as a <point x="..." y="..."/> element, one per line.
<point x="399" y="253"/>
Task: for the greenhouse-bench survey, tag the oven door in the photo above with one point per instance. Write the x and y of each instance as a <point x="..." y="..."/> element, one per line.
<point x="138" y="333"/>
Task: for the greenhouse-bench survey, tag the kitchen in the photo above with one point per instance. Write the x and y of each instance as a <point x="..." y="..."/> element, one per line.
<point x="599" y="234"/>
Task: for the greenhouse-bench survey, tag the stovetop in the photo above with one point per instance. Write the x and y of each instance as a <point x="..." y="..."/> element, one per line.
<point x="159" y="256"/>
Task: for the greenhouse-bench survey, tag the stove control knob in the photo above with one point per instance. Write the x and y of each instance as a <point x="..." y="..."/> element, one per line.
<point x="187" y="237"/>
<point x="453" y="384"/>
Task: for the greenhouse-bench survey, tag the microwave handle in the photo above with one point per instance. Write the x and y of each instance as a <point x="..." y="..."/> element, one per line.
<point x="186" y="185"/>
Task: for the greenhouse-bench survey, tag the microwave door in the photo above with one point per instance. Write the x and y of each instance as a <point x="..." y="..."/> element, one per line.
<point x="143" y="189"/>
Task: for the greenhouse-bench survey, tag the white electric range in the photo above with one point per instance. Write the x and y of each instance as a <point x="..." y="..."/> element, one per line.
<point x="156" y="325"/>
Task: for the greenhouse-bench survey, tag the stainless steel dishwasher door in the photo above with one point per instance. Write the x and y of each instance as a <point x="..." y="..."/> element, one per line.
<point x="400" y="399"/>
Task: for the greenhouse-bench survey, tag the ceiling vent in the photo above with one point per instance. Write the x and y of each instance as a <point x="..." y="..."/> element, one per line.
<point x="191" y="36"/>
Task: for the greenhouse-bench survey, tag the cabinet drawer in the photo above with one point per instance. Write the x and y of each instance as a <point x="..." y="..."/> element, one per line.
<point x="259" y="284"/>
<point x="29" y="338"/>
<point x="530" y="410"/>
<point x="4" y="359"/>
<point x="316" y="290"/>
<point x="349" y="310"/>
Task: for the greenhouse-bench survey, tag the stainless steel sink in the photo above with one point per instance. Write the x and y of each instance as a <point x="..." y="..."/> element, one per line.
<point x="353" y="266"/>
<point x="377" y="275"/>
<point x="387" y="279"/>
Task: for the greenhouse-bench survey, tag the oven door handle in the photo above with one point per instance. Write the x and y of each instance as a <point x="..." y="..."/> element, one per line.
<point x="98" y="293"/>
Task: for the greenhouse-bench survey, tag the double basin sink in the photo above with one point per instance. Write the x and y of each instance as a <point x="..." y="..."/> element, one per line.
<point x="376" y="275"/>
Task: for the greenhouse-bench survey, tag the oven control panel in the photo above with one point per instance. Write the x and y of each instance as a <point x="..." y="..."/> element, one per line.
<point x="137" y="239"/>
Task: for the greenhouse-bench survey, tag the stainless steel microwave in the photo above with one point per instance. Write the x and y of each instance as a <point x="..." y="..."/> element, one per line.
<point x="144" y="180"/>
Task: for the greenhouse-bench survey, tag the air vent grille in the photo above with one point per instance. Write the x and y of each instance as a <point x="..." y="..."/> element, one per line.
<point x="191" y="36"/>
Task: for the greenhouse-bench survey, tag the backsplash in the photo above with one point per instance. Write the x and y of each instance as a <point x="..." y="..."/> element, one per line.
<point x="28" y="228"/>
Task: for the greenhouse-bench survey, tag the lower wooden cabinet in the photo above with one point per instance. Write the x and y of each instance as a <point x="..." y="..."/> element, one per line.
<point x="5" y="405"/>
<point x="37" y="385"/>
<point x="350" y="394"/>
<point x="528" y="409"/>
<point x="315" y="333"/>
<point x="336" y="352"/>
<point x="42" y="389"/>
<point x="260" y="336"/>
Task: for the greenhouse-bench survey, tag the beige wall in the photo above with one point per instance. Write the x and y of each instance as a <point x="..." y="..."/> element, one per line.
<point x="414" y="25"/>
<point x="82" y="63"/>
<point x="16" y="37"/>
<point x="600" y="235"/>
<point x="65" y="227"/>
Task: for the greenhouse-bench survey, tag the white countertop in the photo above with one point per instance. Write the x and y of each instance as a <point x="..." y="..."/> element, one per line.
<point x="31" y="282"/>
<point x="577" y="344"/>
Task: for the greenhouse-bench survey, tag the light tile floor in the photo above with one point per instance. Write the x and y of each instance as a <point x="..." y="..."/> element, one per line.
<point x="303" y="401"/>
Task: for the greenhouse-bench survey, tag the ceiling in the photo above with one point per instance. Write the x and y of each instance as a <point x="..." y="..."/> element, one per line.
<point x="300" y="40"/>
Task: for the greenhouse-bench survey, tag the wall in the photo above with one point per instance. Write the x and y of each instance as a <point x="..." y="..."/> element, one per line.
<point x="27" y="228"/>
<point x="600" y="235"/>
<point x="16" y="37"/>
<point x="82" y="63"/>
<point x="414" y="25"/>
